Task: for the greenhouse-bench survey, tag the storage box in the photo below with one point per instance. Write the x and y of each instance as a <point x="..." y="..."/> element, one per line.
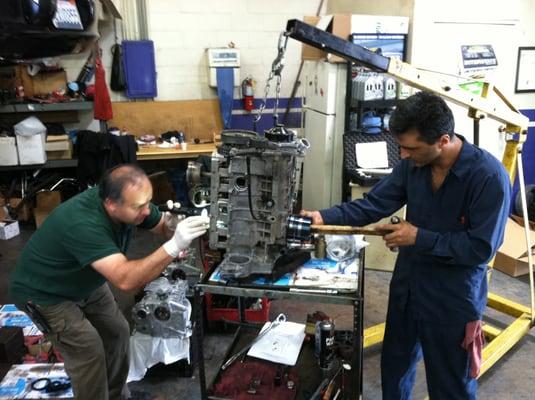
<point x="8" y="228"/>
<point x="232" y="314"/>
<point x="8" y="151"/>
<point x="337" y="24"/>
<point x="58" y="150"/>
<point x="43" y="83"/>
<point x="46" y="202"/>
<point x="343" y="25"/>
<point x="31" y="149"/>
<point x="24" y="212"/>
<point x="511" y="257"/>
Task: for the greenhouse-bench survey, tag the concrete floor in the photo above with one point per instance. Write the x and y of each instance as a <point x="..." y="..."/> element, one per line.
<point x="513" y="377"/>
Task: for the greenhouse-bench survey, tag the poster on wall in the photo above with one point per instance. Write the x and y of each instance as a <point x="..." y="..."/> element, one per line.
<point x="525" y="70"/>
<point x="477" y="59"/>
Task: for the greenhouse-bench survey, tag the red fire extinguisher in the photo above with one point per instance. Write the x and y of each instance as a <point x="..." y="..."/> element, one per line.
<point x="247" y="90"/>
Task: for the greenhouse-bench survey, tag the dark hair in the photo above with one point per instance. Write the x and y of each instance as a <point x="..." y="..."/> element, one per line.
<point x="427" y="113"/>
<point x="115" y="179"/>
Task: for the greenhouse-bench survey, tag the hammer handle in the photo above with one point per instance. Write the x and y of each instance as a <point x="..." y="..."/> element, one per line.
<point x="348" y="230"/>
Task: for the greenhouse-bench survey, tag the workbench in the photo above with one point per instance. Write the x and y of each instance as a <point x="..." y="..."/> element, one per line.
<point x="354" y="298"/>
<point x="193" y="150"/>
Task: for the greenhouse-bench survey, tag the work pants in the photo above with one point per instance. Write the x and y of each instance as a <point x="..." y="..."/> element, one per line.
<point x="447" y="364"/>
<point x="92" y="337"/>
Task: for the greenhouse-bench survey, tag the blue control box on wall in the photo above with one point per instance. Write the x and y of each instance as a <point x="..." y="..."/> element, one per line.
<point x="140" y="69"/>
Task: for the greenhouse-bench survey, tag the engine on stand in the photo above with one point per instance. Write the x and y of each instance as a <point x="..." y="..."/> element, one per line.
<point x="164" y="311"/>
<point x="254" y="185"/>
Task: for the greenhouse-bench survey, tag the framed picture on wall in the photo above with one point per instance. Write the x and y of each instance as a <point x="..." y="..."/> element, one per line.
<point x="525" y="70"/>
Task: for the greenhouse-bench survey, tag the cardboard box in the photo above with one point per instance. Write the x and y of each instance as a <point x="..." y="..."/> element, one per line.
<point x="10" y="78"/>
<point x="8" y="228"/>
<point x="42" y="83"/>
<point x="343" y="25"/>
<point x="8" y="151"/>
<point x="511" y="257"/>
<point x="46" y="202"/>
<point x="337" y="24"/>
<point x="58" y="150"/>
<point x="24" y="212"/>
<point x="4" y="212"/>
<point x="31" y="149"/>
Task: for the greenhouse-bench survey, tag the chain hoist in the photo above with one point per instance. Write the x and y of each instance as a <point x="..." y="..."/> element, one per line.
<point x="276" y="70"/>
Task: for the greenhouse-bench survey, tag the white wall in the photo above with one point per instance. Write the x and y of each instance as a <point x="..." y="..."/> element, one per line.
<point x="183" y="29"/>
<point x="439" y="30"/>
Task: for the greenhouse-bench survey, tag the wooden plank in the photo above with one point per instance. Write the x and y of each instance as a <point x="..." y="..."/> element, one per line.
<point x="198" y="119"/>
<point x="348" y="230"/>
<point x="156" y="153"/>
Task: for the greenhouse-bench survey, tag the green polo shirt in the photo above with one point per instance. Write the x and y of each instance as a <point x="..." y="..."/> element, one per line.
<point x="55" y="264"/>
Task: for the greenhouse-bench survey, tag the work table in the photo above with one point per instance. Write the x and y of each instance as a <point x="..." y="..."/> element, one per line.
<point x="152" y="152"/>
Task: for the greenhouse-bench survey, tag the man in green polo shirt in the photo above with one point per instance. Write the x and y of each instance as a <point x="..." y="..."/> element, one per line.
<point x="63" y="270"/>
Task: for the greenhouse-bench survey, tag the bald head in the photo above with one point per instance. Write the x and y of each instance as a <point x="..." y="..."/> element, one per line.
<point x="117" y="178"/>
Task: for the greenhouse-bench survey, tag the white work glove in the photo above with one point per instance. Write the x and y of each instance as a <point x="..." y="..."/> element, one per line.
<point x="171" y="220"/>
<point x="186" y="230"/>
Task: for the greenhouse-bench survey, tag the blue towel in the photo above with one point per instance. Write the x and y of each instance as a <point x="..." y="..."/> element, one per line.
<point x="225" y="92"/>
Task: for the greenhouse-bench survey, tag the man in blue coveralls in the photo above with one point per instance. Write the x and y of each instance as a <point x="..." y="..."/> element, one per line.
<point x="457" y="198"/>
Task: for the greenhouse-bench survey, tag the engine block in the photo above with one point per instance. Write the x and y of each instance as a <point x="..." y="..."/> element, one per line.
<point x="254" y="184"/>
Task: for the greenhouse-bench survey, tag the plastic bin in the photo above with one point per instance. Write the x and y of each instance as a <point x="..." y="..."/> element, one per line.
<point x="232" y="314"/>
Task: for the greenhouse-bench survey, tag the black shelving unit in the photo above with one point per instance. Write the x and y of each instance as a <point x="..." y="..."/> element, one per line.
<point x="359" y="107"/>
<point x="50" y="164"/>
<point x="309" y="294"/>
<point x="37" y="107"/>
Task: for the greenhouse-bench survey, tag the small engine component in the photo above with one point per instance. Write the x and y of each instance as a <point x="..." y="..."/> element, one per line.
<point x="324" y="343"/>
<point x="164" y="311"/>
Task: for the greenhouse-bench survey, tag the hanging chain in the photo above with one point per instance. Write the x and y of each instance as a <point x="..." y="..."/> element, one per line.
<point x="276" y="70"/>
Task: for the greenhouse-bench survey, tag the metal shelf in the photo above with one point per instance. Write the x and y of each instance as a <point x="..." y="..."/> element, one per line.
<point x="361" y="104"/>
<point x="353" y="298"/>
<point x="36" y="107"/>
<point x="48" y="165"/>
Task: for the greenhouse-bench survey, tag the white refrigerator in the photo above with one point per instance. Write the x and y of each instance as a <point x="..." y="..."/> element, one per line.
<point x="324" y="105"/>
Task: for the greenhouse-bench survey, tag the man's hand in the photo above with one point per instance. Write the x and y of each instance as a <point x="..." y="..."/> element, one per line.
<point x="315" y="215"/>
<point x="171" y="220"/>
<point x="186" y="230"/>
<point x="403" y="234"/>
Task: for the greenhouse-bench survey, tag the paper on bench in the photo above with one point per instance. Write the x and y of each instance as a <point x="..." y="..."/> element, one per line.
<point x="371" y="155"/>
<point x="281" y="344"/>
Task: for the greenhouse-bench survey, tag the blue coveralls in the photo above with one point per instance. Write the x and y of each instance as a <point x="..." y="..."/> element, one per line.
<point x="439" y="284"/>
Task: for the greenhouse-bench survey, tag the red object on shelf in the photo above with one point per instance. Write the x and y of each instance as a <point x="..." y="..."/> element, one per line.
<point x="232" y="314"/>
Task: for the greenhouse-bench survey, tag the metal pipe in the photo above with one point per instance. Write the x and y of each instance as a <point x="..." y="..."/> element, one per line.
<point x="521" y="183"/>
